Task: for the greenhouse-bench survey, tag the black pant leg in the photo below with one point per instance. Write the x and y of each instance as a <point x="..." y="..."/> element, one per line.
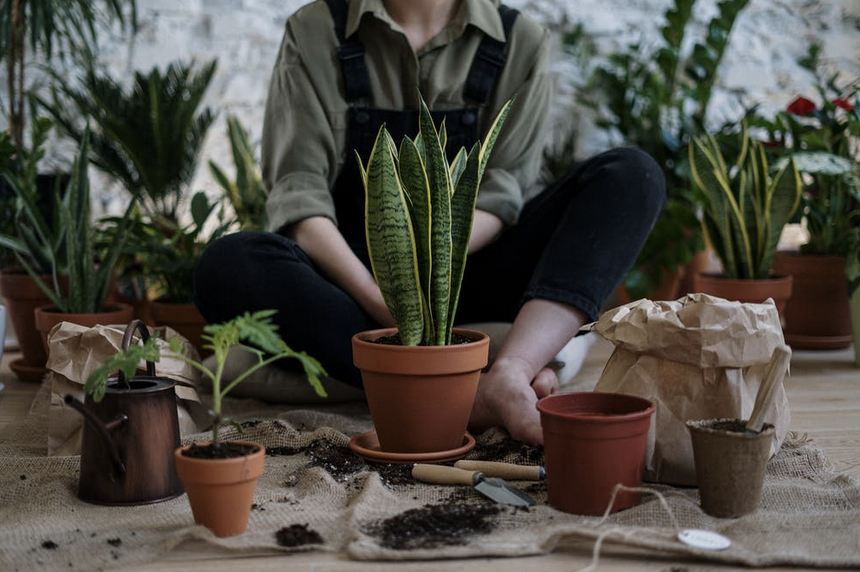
<point x="573" y="243"/>
<point x="250" y="271"/>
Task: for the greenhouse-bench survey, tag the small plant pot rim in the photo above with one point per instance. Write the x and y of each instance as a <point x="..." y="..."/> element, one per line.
<point x="458" y="357"/>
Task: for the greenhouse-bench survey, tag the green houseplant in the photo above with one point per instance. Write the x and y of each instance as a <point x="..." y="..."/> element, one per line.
<point x="655" y="96"/>
<point x="419" y="212"/>
<point x="245" y="193"/>
<point x="745" y="208"/>
<point x="148" y="138"/>
<point x="824" y="140"/>
<point x="210" y="470"/>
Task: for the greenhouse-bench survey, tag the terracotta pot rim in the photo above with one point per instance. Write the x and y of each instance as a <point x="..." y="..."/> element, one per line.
<point x="798" y="254"/>
<point x="260" y="450"/>
<point x="111" y="308"/>
<point x="557" y="406"/>
<point x="368" y="336"/>
<point x="722" y="278"/>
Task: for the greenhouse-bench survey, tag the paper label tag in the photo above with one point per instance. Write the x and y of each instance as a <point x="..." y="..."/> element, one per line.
<point x="704" y="539"/>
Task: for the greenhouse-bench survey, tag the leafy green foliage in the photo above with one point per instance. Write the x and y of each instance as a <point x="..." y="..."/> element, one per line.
<point x="419" y="212"/>
<point x="148" y="138"/>
<point x="49" y="28"/>
<point x="656" y="98"/>
<point x="251" y="332"/>
<point x="246" y="192"/>
<point x="746" y="206"/>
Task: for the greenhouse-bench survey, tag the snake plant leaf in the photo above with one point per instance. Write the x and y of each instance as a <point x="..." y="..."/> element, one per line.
<point x="441" y="190"/>
<point x="413" y="177"/>
<point x="784" y="200"/>
<point x="457" y="166"/>
<point x="490" y="140"/>
<point x="390" y="241"/>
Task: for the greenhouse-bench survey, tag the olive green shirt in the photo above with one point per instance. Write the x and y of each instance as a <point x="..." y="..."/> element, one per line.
<point x="304" y="132"/>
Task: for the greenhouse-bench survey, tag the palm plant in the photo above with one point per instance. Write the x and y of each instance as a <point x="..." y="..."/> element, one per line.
<point x="419" y="212"/>
<point x="148" y="139"/>
<point x="49" y="28"/>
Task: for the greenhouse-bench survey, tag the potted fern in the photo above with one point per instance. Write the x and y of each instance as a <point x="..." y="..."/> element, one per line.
<point x="745" y="206"/>
<point x="421" y="377"/>
<point x="219" y="476"/>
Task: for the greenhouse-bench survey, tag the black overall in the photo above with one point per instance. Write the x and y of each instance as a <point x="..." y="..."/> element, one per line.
<point x="572" y="245"/>
<point x="364" y="122"/>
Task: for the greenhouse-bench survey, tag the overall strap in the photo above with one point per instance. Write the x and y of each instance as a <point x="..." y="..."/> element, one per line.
<point x="485" y="70"/>
<point x="489" y="61"/>
<point x="351" y="53"/>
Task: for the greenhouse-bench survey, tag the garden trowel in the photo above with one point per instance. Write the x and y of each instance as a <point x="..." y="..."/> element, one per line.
<point x="493" y="488"/>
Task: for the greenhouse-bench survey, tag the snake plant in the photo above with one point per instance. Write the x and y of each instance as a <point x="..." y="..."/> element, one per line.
<point x="746" y="204"/>
<point x="418" y="217"/>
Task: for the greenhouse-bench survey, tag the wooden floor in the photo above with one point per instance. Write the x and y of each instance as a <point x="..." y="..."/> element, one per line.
<point x="824" y="394"/>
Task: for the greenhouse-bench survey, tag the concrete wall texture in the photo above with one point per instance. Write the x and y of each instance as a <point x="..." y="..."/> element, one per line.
<point x="759" y="66"/>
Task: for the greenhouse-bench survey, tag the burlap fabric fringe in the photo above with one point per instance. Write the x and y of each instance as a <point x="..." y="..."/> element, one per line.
<point x="316" y="495"/>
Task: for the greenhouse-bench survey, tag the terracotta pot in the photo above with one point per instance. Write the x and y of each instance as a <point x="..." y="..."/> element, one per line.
<point x="184" y="318"/>
<point x="778" y="287"/>
<point x="593" y="441"/>
<point x="420" y="397"/>
<point x="23" y="296"/>
<point x="817" y="315"/>
<point x="221" y="491"/>
<point x="730" y="466"/>
<point x="48" y="316"/>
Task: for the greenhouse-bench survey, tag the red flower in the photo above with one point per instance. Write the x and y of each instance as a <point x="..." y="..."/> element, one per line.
<point x="801" y="106"/>
<point x="843" y="103"/>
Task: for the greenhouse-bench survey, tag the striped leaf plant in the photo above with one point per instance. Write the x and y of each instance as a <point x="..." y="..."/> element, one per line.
<point x="419" y="210"/>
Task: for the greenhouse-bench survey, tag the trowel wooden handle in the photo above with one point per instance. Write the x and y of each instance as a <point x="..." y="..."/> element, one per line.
<point x="443" y="474"/>
<point x="507" y="471"/>
<point x="773" y="377"/>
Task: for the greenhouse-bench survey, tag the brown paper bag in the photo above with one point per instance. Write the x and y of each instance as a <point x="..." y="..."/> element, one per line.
<point x="698" y="357"/>
<point x="75" y="351"/>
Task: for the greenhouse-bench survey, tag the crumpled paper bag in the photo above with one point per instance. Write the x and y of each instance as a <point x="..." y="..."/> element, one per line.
<point x="699" y="357"/>
<point x="75" y="351"/>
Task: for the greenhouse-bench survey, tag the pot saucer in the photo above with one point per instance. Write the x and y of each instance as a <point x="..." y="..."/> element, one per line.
<point x="28" y="372"/>
<point x="367" y="447"/>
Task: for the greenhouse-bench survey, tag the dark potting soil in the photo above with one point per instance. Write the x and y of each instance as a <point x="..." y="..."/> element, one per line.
<point x="225" y="450"/>
<point x="395" y="340"/>
<point x="435" y="525"/>
<point x="297" y="535"/>
<point x="510" y="450"/>
<point x="733" y="426"/>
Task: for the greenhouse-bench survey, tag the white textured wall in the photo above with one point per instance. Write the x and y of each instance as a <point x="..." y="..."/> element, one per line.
<point x="244" y="35"/>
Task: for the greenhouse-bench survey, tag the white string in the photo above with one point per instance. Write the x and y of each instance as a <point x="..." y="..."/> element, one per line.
<point x="623" y="532"/>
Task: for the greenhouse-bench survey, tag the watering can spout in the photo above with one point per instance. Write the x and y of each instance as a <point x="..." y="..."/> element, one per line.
<point x="103" y="429"/>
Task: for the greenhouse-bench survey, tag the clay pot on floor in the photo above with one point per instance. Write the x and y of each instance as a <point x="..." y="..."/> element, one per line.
<point x="47" y="317"/>
<point x="184" y="318"/>
<point x="747" y="291"/>
<point x="593" y="441"/>
<point x="817" y="316"/>
<point x="23" y="296"/>
<point x="730" y="465"/>
<point x="420" y="397"/>
<point x="221" y="491"/>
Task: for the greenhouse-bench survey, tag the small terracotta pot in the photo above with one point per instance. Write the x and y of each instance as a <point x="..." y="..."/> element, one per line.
<point x="593" y="441"/>
<point x="47" y="317"/>
<point x="23" y="296"/>
<point x="420" y="397"/>
<point x="184" y="318"/>
<point x="730" y="466"/>
<point x="817" y="315"/>
<point x="747" y="291"/>
<point x="221" y="491"/>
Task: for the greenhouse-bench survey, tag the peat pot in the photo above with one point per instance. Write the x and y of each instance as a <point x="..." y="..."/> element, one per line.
<point x="593" y="441"/>
<point x="420" y="397"/>
<point x="129" y="438"/>
<point x="730" y="465"/>
<point x="221" y="491"/>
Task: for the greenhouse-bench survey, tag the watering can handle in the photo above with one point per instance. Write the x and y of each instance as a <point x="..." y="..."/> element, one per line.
<point x="126" y="340"/>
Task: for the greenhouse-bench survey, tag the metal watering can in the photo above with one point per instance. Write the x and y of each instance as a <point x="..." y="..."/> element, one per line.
<point x="129" y="438"/>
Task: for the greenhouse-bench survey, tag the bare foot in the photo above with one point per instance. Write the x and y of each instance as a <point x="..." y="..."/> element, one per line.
<point x="506" y="398"/>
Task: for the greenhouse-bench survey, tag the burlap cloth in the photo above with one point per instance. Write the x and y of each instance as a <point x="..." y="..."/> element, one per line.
<point x="316" y="495"/>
